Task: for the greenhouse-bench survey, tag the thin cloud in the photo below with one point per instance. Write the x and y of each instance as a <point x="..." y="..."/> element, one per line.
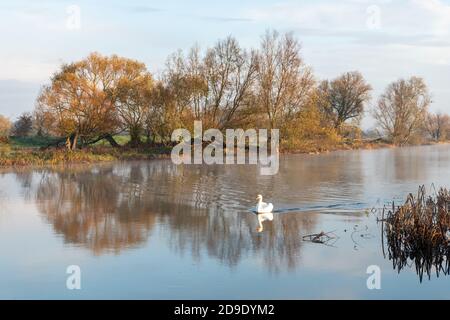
<point x="411" y="22"/>
<point x="144" y="9"/>
<point x="226" y="19"/>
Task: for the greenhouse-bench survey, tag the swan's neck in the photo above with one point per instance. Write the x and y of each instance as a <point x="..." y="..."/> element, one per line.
<point x="259" y="200"/>
<point x="260" y="222"/>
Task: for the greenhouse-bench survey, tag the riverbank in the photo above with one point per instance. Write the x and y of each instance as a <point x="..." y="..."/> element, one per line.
<point x="343" y="146"/>
<point x="36" y="157"/>
<point x="14" y="155"/>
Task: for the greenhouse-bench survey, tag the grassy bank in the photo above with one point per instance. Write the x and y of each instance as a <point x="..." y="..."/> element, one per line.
<point x="28" y="151"/>
<point x="325" y="145"/>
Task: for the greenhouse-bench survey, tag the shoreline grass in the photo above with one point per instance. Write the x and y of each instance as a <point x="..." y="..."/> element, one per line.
<point x="28" y="151"/>
<point x="36" y="157"/>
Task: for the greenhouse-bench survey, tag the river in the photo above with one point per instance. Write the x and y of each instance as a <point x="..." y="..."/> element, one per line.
<point x="153" y="230"/>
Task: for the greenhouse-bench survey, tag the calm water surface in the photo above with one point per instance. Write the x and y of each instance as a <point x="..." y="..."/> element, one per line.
<point x="151" y="230"/>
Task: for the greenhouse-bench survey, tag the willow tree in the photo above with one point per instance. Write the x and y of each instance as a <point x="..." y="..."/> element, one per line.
<point x="402" y="108"/>
<point x="132" y="99"/>
<point x="94" y="98"/>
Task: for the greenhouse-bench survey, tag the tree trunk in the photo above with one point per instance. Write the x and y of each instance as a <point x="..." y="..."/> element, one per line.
<point x="135" y="137"/>
<point x="71" y="141"/>
<point x="74" y="141"/>
<point x="111" y="140"/>
<point x="148" y="138"/>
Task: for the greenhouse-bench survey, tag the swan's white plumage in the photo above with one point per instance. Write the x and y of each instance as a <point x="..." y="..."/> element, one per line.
<point x="262" y="207"/>
<point x="263" y="217"/>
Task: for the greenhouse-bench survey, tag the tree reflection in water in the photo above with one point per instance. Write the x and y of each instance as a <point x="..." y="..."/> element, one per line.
<point x="198" y="210"/>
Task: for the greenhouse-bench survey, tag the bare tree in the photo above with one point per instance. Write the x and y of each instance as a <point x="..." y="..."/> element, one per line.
<point x="183" y="90"/>
<point x="343" y="98"/>
<point x="401" y="110"/>
<point x="39" y="124"/>
<point x="284" y="81"/>
<point x="437" y="125"/>
<point x="229" y="72"/>
<point x="214" y="86"/>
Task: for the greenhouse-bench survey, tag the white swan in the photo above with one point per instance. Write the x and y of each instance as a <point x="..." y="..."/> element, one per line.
<point x="262" y="207"/>
<point x="263" y="217"/>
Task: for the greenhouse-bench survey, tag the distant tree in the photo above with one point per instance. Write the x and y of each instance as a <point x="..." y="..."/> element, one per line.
<point x="40" y="123"/>
<point x="284" y="81"/>
<point x="437" y="125"/>
<point x="5" y="126"/>
<point x="23" y="126"/>
<point x="344" y="98"/>
<point x="401" y="110"/>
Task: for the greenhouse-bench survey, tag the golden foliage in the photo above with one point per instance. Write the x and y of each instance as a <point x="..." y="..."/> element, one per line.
<point x="309" y="130"/>
<point x="5" y="126"/>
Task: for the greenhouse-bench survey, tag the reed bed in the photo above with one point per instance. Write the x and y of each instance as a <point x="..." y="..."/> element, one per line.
<point x="418" y="233"/>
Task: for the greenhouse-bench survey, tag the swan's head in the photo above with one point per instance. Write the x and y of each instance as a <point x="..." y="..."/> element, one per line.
<point x="259" y="197"/>
<point x="259" y="229"/>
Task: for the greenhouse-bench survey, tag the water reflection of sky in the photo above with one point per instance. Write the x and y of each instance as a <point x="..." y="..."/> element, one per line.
<point x="152" y="230"/>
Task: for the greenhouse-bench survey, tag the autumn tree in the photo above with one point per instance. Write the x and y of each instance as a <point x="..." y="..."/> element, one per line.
<point x="343" y="98"/>
<point x="132" y="97"/>
<point x="178" y="98"/>
<point x="309" y="130"/>
<point x="5" y="126"/>
<point x="402" y="108"/>
<point x="283" y="79"/>
<point x="94" y="98"/>
<point x="76" y="103"/>
<point x="166" y="114"/>
<point x="23" y="126"/>
<point x="437" y="125"/>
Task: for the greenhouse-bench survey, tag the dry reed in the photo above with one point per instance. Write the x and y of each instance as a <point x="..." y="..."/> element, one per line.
<point x="418" y="232"/>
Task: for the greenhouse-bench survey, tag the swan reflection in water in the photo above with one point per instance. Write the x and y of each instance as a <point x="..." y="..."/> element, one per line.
<point x="261" y="218"/>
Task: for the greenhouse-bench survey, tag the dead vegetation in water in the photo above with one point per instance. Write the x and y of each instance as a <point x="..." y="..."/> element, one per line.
<point x="418" y="233"/>
<point x="326" y="238"/>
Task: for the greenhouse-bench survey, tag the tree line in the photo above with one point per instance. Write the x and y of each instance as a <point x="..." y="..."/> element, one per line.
<point x="224" y="86"/>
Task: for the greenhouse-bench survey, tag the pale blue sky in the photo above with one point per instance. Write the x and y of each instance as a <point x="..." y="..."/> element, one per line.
<point x="411" y="37"/>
